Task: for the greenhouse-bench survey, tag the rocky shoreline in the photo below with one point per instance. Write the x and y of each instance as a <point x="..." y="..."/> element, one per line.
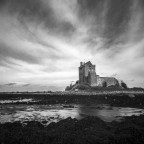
<point x="89" y="130"/>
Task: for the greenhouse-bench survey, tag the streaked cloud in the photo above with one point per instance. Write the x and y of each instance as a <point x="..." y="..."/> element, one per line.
<point x="43" y="41"/>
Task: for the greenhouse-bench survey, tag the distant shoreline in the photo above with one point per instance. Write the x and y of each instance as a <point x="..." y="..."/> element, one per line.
<point x="96" y="92"/>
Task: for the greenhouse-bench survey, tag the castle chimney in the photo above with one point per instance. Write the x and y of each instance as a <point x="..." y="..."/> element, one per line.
<point x="81" y="63"/>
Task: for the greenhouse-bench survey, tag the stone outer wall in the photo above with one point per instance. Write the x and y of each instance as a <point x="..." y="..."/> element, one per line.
<point x="110" y="81"/>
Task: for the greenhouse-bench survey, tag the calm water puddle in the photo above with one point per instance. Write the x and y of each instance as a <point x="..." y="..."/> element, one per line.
<point x="54" y="113"/>
<point x="16" y="101"/>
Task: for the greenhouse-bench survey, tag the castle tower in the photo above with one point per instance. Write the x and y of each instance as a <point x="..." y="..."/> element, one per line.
<point x="92" y="78"/>
<point x="87" y="74"/>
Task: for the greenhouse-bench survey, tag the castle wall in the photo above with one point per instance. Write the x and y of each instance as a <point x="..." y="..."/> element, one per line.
<point x="89" y="68"/>
<point x="81" y="75"/>
<point x="110" y="81"/>
<point x="92" y="79"/>
<point x="99" y="81"/>
<point x="84" y="70"/>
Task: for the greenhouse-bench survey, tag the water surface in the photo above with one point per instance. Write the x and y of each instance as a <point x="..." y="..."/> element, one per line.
<point x="54" y="113"/>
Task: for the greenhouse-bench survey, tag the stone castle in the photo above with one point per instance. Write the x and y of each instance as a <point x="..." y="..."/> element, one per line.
<point x="88" y="76"/>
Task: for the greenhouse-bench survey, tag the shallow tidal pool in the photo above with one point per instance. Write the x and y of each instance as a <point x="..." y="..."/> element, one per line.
<point x="54" y="113"/>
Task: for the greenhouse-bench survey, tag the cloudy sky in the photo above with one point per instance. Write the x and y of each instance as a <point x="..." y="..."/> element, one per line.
<point x="43" y="41"/>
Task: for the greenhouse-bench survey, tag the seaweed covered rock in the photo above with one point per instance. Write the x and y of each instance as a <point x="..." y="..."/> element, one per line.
<point x="71" y="131"/>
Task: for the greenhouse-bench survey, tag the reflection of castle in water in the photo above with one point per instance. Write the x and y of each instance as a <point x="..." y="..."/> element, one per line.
<point x="87" y="75"/>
